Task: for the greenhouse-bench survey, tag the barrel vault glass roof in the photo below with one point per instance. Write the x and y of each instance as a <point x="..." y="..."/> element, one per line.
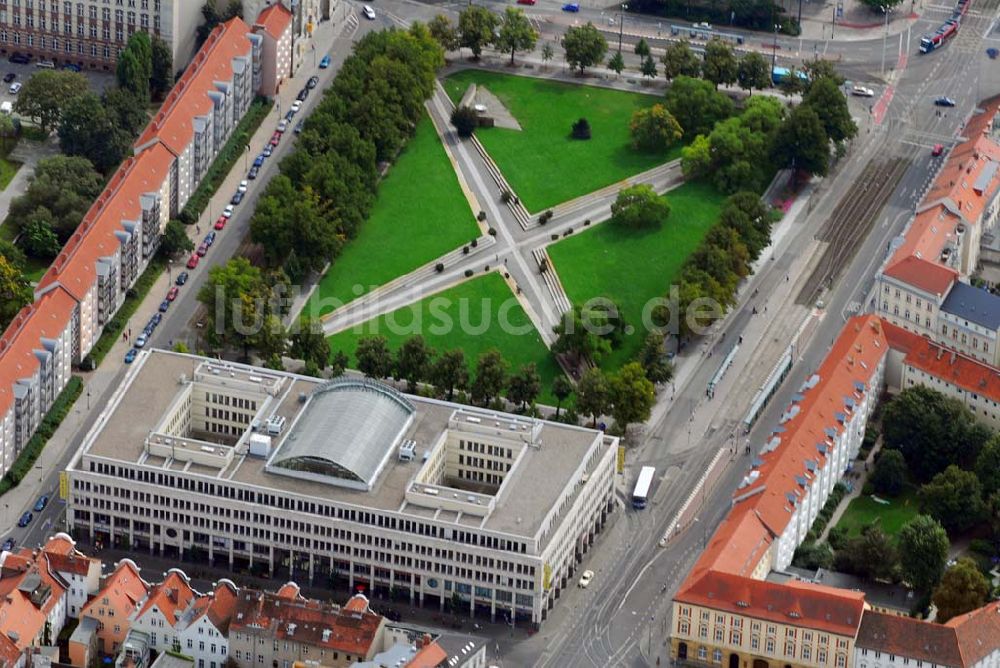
<point x="346" y="431"/>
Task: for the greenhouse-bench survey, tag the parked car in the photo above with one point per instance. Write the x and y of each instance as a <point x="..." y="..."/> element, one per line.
<point x="43" y="501"/>
<point x="237" y="198"/>
<point x="313" y="82"/>
<point x="525" y="2"/>
<point x="275" y="139"/>
<point x="586" y="578"/>
<point x="324" y="63"/>
<point x="571" y="7"/>
<point x="131" y="355"/>
<point x="172" y="293"/>
<point x="164" y="305"/>
<point x="154" y="322"/>
<point x="242" y="187"/>
<point x="221" y="222"/>
<point x="140" y="340"/>
<point x="283" y="124"/>
<point x="368" y="12"/>
<point x="193" y="261"/>
<point x="290" y="115"/>
<point x="209" y="239"/>
<point x="228" y="211"/>
<point x="252" y="174"/>
<point x="25" y="519"/>
<point x="15" y="88"/>
<point x="944" y="101"/>
<point x="202" y="250"/>
<point x="268" y="151"/>
<point x="862" y="91"/>
<point x="19" y="58"/>
<point x="258" y="161"/>
<point x="182" y="278"/>
<point x="704" y="25"/>
<point x="10" y="76"/>
<point x="298" y="127"/>
<point x="296" y="106"/>
<point x="303" y="94"/>
<point x="937" y="150"/>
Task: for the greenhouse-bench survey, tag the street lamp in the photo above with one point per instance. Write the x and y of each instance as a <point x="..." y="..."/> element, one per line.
<point x="88" y="398"/>
<point x="774" y="49"/>
<point x="621" y="24"/>
<point x="885" y="34"/>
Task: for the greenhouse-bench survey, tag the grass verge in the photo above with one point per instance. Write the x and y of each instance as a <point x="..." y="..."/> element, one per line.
<point x="419" y="215"/>
<point x="633" y="267"/>
<point x="8" y="168"/>
<point x="474" y="316"/>
<point x="53" y="418"/>
<point x="227" y="157"/>
<point x="891" y="517"/>
<point x="542" y="163"/>
<point x="113" y="330"/>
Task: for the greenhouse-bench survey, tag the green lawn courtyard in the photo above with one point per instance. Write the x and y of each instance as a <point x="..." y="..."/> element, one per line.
<point x="479" y="303"/>
<point x="542" y="163"/>
<point x="8" y="168"/>
<point x="420" y="214"/>
<point x="891" y="517"/>
<point x="633" y="267"/>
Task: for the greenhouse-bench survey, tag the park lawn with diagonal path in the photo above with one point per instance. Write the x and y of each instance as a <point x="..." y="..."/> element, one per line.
<point x="891" y="517"/>
<point x="420" y="214"/>
<point x="633" y="267"/>
<point x="477" y="302"/>
<point x="542" y="163"/>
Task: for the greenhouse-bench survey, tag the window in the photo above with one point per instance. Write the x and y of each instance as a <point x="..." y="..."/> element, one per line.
<point x="841" y="661"/>
<point x="754" y="642"/>
<point x="702" y="653"/>
<point x="769" y="646"/>
<point x="703" y="631"/>
<point x="717" y="655"/>
<point x="718" y="635"/>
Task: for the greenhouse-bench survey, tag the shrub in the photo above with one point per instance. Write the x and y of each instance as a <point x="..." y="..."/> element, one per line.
<point x="506" y="197"/>
<point x="586" y="222"/>
<point x="468" y="273"/>
<point x="481" y="217"/>
<point x="474" y="243"/>
<point x="439" y="267"/>
<point x="554" y="237"/>
<point x="837" y="537"/>
<point x="581" y="129"/>
<point x="492" y="232"/>
<point x="465" y="250"/>
<point x="465" y="121"/>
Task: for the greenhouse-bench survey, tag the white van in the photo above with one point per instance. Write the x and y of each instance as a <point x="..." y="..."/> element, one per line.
<point x="45" y="64"/>
<point x="6" y="108"/>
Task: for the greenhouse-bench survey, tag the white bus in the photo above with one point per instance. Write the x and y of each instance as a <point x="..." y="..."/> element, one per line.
<point x="641" y="492"/>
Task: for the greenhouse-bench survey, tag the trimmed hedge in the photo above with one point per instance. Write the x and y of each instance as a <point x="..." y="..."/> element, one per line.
<point x="224" y="161"/>
<point x="114" y="328"/>
<point x="837" y="495"/>
<point x="56" y="414"/>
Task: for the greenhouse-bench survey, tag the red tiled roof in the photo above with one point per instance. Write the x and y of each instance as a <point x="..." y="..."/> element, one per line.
<point x="171" y="596"/>
<point x="900" y="339"/>
<point x="911" y="638"/>
<point x="978" y="632"/>
<point x="954" y="368"/>
<point x="9" y="653"/>
<point x="794" y="603"/>
<point x="188" y="99"/>
<point x="275" y="20"/>
<point x="738" y="545"/>
<point x="932" y="278"/>
<point x="428" y="656"/>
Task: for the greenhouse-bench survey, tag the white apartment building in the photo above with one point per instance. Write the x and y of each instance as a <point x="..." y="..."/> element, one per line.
<point x="91" y="33"/>
<point x="347" y="479"/>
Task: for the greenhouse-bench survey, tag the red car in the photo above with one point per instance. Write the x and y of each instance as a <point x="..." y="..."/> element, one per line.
<point x="172" y="293"/>
<point x="525" y="2"/>
<point x="275" y="138"/>
<point x="202" y="250"/>
<point x="937" y="150"/>
<point x="220" y="223"/>
<point x="193" y="261"/>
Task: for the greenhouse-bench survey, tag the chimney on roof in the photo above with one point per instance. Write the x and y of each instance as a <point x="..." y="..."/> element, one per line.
<point x="940" y="352"/>
<point x="953" y="356"/>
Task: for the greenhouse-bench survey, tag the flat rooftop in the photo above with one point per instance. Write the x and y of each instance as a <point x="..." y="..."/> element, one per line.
<point x="530" y="489"/>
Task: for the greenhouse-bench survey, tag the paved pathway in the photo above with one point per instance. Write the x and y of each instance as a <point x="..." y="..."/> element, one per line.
<point x="28" y="153"/>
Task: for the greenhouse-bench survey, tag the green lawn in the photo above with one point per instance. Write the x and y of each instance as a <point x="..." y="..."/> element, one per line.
<point x="420" y="214"/>
<point x="541" y="162"/>
<point x="478" y="303"/>
<point x="8" y="168"/>
<point x="633" y="267"/>
<point x="862" y="511"/>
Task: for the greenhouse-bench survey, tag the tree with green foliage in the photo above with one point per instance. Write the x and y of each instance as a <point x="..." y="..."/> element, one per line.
<point x="870" y="555"/>
<point x="954" y="498"/>
<point x="548" y="53"/>
<point x="889" y="476"/>
<point x="932" y="431"/>
<point x="654" y="360"/>
<point x="174" y="241"/>
<point x="15" y="290"/>
<point x="65" y="186"/>
<point x="238" y="301"/>
<point x="828" y="101"/>
<point x="562" y="388"/>
<point x="648" y="67"/>
<point x="988" y="466"/>
<point x="465" y="119"/>
<point x="753" y="72"/>
<point x="654" y="128"/>
<point x="444" y="32"/>
<point x="819" y="68"/>
<point x="923" y="551"/>
<point x="102" y="129"/>
<point x="697" y="105"/>
<point x="448" y="373"/>
<point x="632" y="395"/>
<point x="308" y="343"/>
<point x="213" y="17"/>
<point x="813" y="556"/>
<point x="162" y="69"/>
<point x="7" y="129"/>
<point x="801" y="143"/>
<point x="413" y="362"/>
<point x="642" y="48"/>
<point x="134" y="70"/>
<point x="991" y="511"/>
<point x="515" y="33"/>
<point x="477" y="26"/>
<point x="491" y="377"/>
<point x="963" y="588"/>
<point x="638" y="207"/>
<point x="748" y="215"/>
<point x="616" y="63"/>
<point x="580" y="129"/>
<point x="680" y="61"/>
<point x="576" y="338"/>
<point x="719" y="65"/>
<point x="373" y="356"/>
<point x="47" y="93"/>
<point x="593" y="394"/>
<point x="523" y="386"/>
<point x="584" y="46"/>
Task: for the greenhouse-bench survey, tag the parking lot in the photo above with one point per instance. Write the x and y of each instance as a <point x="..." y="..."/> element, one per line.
<point x="98" y="80"/>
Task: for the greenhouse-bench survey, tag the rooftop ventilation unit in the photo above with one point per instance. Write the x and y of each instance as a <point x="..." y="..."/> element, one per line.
<point x="275" y="424"/>
<point x="407" y="450"/>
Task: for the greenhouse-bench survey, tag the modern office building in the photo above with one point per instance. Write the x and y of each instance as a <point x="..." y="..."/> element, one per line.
<point x="91" y="33"/>
<point x="342" y="479"/>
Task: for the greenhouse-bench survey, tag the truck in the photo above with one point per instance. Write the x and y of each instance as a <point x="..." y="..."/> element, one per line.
<point x="641" y="492"/>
